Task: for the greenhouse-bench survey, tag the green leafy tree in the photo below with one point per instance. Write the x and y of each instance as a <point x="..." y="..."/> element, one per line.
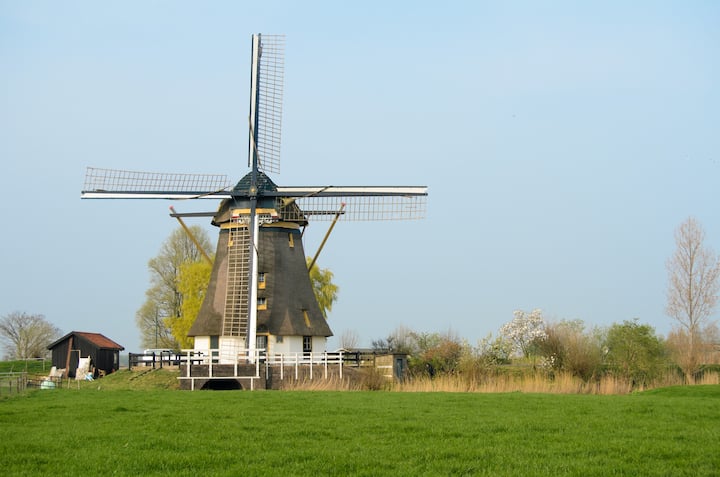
<point x="163" y="302"/>
<point x="192" y="282"/>
<point x="325" y="290"/>
<point x="26" y="336"/>
<point x="635" y="351"/>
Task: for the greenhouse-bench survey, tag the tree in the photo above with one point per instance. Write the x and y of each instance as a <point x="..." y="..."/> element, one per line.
<point x="323" y="287"/>
<point x="26" y="336"/>
<point x="569" y="347"/>
<point x="678" y="346"/>
<point x="438" y="353"/>
<point x="524" y="331"/>
<point x="427" y="352"/>
<point x="693" y="284"/>
<point x="192" y="283"/>
<point x="349" y="339"/>
<point x="163" y="302"/>
<point x="635" y="351"/>
<point x="494" y="351"/>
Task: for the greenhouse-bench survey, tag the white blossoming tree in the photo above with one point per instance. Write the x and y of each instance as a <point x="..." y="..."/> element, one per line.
<point x="524" y="330"/>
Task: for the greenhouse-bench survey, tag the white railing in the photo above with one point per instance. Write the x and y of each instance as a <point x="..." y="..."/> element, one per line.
<point x="294" y="361"/>
<point x="298" y="360"/>
<point x="211" y="357"/>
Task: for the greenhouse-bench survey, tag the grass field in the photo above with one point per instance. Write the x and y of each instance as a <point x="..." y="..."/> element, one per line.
<point x="33" y="366"/>
<point x="109" y="428"/>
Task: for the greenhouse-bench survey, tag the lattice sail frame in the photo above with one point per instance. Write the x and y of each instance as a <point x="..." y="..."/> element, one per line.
<point x="106" y="182"/>
<point x="314" y="203"/>
<point x="357" y="208"/>
<point x="269" y="101"/>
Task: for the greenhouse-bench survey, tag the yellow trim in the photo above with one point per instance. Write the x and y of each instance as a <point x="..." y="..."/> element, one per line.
<point x="291" y="241"/>
<point x="272" y="212"/>
<point x="233" y="225"/>
<point x="307" y="318"/>
<point x="282" y="225"/>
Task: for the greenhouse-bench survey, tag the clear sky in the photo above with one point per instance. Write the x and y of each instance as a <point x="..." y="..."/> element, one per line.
<point x="562" y="142"/>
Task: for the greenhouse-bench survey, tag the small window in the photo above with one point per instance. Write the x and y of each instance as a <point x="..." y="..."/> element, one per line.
<point x="278" y="339"/>
<point x="261" y="280"/>
<point x="262" y="303"/>
<point x="307" y="344"/>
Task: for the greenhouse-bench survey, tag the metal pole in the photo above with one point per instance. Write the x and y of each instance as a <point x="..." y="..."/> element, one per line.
<point x="253" y="193"/>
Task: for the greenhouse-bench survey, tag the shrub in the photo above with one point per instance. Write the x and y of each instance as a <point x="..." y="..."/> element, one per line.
<point x="635" y="352"/>
<point x="569" y="348"/>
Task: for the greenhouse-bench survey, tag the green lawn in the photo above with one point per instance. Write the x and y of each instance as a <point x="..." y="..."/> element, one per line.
<point x="31" y="366"/>
<point x="106" y="431"/>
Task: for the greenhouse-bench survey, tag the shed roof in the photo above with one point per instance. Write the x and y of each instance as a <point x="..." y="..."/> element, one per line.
<point x="99" y="340"/>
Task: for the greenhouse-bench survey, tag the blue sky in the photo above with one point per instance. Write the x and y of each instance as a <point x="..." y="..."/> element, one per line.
<point x="562" y="142"/>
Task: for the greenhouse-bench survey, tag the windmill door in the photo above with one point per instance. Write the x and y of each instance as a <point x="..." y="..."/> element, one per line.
<point x="261" y="343"/>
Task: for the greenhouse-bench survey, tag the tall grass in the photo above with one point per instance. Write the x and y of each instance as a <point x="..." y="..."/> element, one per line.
<point x="535" y="382"/>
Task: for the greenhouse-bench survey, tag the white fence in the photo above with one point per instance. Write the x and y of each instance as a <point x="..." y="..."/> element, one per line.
<point x="287" y="362"/>
<point x="297" y="360"/>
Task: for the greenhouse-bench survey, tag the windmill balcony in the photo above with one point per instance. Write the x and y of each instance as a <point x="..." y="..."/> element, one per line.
<point x="255" y="368"/>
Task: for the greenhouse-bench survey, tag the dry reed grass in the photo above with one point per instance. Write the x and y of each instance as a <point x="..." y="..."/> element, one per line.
<point x="527" y="383"/>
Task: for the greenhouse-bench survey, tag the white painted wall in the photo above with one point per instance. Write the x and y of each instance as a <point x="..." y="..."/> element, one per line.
<point x="319" y="344"/>
<point x="294" y="344"/>
<point x="290" y="344"/>
<point x="202" y="342"/>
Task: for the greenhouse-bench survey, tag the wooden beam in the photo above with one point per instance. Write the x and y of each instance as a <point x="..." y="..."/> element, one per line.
<point x="67" y="358"/>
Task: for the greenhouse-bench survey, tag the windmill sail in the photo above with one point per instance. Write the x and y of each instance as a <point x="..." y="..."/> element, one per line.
<point x="316" y="202"/>
<point x="266" y="93"/>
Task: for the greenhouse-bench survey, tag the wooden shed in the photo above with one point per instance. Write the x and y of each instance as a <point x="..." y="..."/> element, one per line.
<point x="103" y="352"/>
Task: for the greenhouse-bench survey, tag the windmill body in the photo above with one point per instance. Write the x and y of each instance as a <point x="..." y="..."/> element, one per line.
<point x="260" y="296"/>
<point x="288" y="318"/>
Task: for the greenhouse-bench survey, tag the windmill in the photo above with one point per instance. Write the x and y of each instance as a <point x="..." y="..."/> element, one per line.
<point x="259" y="287"/>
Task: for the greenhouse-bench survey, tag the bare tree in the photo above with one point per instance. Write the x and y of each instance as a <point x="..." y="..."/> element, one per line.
<point x="693" y="272"/>
<point x="349" y="339"/>
<point x="163" y="300"/>
<point x="678" y="346"/>
<point x="26" y="336"/>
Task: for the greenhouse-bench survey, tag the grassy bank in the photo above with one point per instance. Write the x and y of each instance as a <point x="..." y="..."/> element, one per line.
<point x="101" y="430"/>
